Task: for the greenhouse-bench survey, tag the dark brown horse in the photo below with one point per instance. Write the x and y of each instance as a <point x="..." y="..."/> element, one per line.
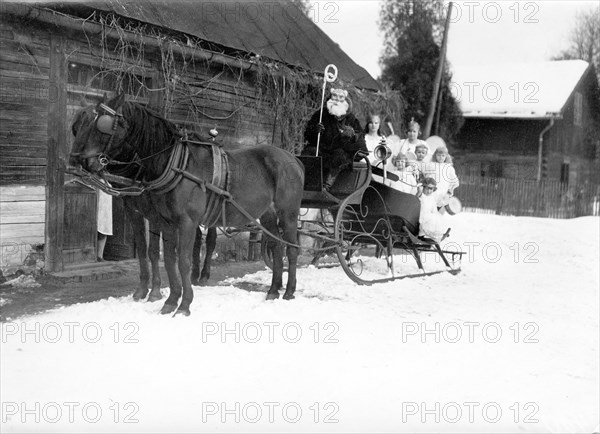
<point x="263" y="182"/>
<point x="150" y="249"/>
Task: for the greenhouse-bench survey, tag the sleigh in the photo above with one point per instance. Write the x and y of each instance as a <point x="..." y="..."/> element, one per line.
<point x="367" y="225"/>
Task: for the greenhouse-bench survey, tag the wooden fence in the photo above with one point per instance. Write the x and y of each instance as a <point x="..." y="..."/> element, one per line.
<point x="528" y="198"/>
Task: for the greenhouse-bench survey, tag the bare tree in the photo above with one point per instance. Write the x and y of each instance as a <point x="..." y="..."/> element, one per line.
<point x="585" y="39"/>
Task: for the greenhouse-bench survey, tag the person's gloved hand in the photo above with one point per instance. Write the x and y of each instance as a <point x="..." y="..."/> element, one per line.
<point x="320" y="128"/>
<point x="347" y="131"/>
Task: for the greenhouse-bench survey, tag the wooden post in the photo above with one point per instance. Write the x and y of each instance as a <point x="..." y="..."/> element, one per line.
<point x="57" y="153"/>
<point x="438" y="76"/>
<point x="438" y="110"/>
<point x="253" y="246"/>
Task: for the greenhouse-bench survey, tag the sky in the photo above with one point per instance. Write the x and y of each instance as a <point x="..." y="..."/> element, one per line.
<point x="480" y="31"/>
<point x="509" y="345"/>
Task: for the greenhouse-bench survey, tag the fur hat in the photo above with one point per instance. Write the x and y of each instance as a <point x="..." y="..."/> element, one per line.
<point x="339" y="92"/>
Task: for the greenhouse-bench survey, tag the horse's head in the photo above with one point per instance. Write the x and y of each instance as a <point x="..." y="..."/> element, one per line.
<point x="99" y="132"/>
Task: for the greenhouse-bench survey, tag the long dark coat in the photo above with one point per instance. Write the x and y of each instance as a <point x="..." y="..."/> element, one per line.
<point x="339" y="141"/>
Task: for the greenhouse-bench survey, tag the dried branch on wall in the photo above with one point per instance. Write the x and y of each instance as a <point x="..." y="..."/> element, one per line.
<point x="269" y="92"/>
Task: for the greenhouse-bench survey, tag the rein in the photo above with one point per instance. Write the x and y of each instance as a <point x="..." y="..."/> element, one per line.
<point x="106" y="181"/>
<point x="131" y="187"/>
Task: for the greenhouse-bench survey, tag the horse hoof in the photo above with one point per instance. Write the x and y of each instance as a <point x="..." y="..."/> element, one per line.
<point x="184" y="312"/>
<point x="154" y="296"/>
<point x="289" y="296"/>
<point x="168" y="308"/>
<point x="139" y="296"/>
<point x="272" y="295"/>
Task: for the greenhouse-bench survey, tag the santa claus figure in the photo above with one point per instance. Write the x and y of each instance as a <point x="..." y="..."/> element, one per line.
<point x="341" y="140"/>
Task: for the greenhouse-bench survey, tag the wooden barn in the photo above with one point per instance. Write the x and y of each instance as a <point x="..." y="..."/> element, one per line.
<point x="534" y="121"/>
<point x="252" y="70"/>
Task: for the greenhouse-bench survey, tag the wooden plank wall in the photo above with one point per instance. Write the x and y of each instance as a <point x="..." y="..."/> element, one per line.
<point x="24" y="95"/>
<point x="22" y="225"/>
<point x="25" y="92"/>
<point x="212" y="95"/>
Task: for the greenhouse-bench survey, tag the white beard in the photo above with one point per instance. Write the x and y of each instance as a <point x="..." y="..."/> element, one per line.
<point x="336" y="108"/>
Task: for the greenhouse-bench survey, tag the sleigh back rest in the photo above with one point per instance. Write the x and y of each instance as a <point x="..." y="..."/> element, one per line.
<point x="348" y="181"/>
<point x="313" y="172"/>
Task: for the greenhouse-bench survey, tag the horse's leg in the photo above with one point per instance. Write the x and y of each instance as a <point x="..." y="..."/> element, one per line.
<point x="187" y="227"/>
<point x="288" y="222"/>
<point x="196" y="257"/>
<point x="269" y="221"/>
<point x="211" y="243"/>
<point x="170" y="247"/>
<point x="139" y="235"/>
<point x="154" y="255"/>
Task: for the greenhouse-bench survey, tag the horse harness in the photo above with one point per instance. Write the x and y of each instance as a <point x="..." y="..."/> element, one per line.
<point x="174" y="172"/>
<point x="218" y="188"/>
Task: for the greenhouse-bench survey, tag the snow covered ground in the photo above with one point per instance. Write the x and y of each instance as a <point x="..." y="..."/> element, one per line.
<point x="509" y="345"/>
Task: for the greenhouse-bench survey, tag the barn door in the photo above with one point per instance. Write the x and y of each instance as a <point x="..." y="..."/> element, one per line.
<point x="79" y="216"/>
<point x="79" y="228"/>
<point x="120" y="245"/>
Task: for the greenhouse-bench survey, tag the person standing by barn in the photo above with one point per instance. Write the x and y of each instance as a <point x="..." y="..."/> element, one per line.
<point x="104" y="222"/>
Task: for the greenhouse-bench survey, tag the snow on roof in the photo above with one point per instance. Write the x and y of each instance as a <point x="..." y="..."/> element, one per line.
<point x="523" y="90"/>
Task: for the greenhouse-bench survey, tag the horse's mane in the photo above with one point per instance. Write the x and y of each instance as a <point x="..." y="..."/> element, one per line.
<point x="149" y="134"/>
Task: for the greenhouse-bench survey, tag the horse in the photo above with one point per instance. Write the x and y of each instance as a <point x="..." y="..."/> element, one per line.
<point x="263" y="183"/>
<point x="150" y="249"/>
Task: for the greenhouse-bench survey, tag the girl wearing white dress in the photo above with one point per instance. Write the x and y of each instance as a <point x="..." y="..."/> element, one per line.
<point x="431" y="222"/>
<point x="373" y="136"/>
<point x="406" y="173"/>
<point x="410" y="143"/>
<point x="442" y="171"/>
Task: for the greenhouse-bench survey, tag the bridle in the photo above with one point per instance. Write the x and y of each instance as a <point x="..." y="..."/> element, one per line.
<point x="106" y="121"/>
<point x="102" y="121"/>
